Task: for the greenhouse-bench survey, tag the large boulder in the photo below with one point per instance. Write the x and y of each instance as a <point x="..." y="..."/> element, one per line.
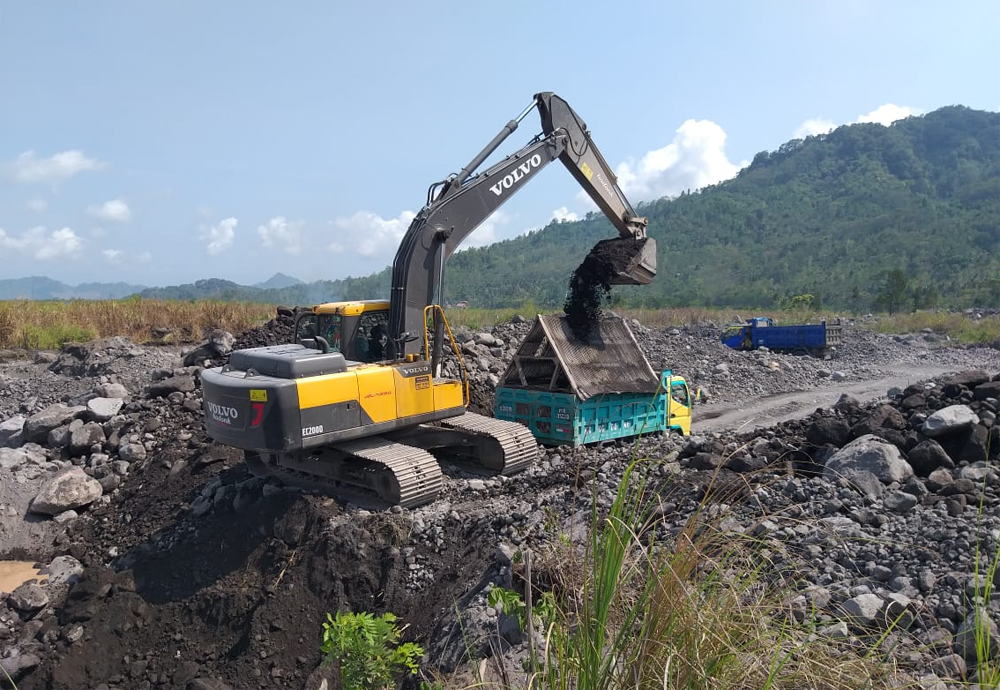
<point x="884" y="416"/>
<point x="38" y="425"/>
<point x="949" y="420"/>
<point x="68" y="490"/>
<point x="869" y="454"/>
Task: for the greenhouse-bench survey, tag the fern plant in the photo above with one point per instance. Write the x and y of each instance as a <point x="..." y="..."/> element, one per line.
<point x="368" y="649"/>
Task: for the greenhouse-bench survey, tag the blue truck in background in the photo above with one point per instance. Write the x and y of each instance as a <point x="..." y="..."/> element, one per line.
<point x="804" y="339"/>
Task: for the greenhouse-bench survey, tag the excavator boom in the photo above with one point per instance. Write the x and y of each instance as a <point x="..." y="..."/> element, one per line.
<point x="458" y="205"/>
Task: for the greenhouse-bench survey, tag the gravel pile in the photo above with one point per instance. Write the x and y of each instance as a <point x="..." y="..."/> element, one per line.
<point x="170" y="567"/>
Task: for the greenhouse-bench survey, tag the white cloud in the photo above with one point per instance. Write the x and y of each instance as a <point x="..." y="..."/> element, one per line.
<point x="36" y="205"/>
<point x="694" y="159"/>
<point x="562" y="213"/>
<point x="220" y="237"/>
<point x="281" y="231"/>
<point x="39" y="243"/>
<point x="884" y="115"/>
<point x="117" y="257"/>
<point x="812" y="127"/>
<point x="888" y="113"/>
<point x="114" y="210"/>
<point x="29" y="168"/>
<point x="370" y="235"/>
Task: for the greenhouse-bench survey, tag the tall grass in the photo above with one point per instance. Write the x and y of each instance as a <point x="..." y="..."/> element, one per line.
<point x="50" y="324"/>
<point x="701" y="609"/>
<point x="956" y="325"/>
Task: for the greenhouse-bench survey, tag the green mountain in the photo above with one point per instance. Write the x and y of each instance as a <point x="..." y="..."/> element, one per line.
<point x="832" y="216"/>
<point x="866" y="216"/>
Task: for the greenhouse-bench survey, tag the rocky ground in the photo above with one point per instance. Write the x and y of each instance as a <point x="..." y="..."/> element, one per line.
<point x="169" y="567"/>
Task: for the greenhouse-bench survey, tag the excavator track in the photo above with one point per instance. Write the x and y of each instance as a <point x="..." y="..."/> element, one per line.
<point x="360" y="470"/>
<point x="516" y="447"/>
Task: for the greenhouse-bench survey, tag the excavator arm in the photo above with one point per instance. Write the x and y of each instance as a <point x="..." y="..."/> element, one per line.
<point x="457" y="206"/>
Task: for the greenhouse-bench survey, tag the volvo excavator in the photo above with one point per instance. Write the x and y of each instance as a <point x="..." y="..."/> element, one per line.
<point x="356" y="406"/>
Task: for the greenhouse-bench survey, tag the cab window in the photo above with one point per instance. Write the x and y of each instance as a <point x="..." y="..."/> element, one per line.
<point x="679" y="394"/>
<point x="373" y="336"/>
<point x="329" y="326"/>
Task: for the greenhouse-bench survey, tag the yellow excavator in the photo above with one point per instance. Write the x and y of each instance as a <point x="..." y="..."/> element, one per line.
<point x="356" y="405"/>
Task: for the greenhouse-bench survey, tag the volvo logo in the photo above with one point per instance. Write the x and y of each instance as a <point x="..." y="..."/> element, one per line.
<point x="222" y="413"/>
<point x="515" y="175"/>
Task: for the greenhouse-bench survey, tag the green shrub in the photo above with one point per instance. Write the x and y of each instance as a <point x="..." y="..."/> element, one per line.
<point x="368" y="650"/>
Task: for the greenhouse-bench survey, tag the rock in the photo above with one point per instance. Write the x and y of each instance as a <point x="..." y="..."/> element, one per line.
<point x="828" y="430"/>
<point x="928" y="456"/>
<point x="871" y="454"/>
<point x="984" y="391"/>
<point x="939" y="479"/>
<point x="85" y="436"/>
<point x="207" y="684"/>
<point x="13" y="458"/>
<point x="978" y="624"/>
<point x="899" y="501"/>
<point x="103" y="409"/>
<point x="112" y="390"/>
<point x="863" y="611"/>
<point x="28" y="597"/>
<point x="949" y="420"/>
<point x="63" y="570"/>
<point x="17" y="663"/>
<point x="132" y="452"/>
<point x="197" y="357"/>
<point x="884" y="416"/>
<point x="38" y="425"/>
<point x="866" y="483"/>
<point x="221" y="341"/>
<point x="164" y="387"/>
<point x="11" y="427"/>
<point x="67" y="491"/>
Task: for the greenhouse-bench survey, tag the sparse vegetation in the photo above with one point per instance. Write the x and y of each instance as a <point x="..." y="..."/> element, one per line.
<point x="50" y="324"/>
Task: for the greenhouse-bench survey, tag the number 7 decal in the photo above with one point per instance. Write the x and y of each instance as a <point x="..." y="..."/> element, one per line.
<point x="258" y="413"/>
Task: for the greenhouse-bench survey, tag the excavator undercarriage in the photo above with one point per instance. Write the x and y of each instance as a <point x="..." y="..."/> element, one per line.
<point x="399" y="468"/>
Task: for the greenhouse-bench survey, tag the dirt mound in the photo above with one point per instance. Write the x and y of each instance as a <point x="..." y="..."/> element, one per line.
<point x="277" y="331"/>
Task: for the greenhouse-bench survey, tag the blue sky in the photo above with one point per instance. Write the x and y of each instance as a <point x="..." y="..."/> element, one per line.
<point x="163" y="142"/>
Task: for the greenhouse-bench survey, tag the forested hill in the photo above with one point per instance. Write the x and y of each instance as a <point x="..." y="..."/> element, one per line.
<point x="831" y="215"/>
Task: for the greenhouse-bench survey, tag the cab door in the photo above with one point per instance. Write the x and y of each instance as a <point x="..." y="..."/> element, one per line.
<point x="679" y="405"/>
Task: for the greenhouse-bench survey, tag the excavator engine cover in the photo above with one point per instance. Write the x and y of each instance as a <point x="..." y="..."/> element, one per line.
<point x="630" y="261"/>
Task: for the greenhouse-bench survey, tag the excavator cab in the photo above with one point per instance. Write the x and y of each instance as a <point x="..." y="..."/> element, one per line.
<point x="356" y="329"/>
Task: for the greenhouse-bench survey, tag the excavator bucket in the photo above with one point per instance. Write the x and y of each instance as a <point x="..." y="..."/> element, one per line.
<point x="629" y="261"/>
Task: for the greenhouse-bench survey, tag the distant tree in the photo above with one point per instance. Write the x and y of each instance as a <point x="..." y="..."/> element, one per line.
<point x="894" y="290"/>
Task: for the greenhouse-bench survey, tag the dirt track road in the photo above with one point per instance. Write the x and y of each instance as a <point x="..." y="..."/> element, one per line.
<point x="762" y="412"/>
